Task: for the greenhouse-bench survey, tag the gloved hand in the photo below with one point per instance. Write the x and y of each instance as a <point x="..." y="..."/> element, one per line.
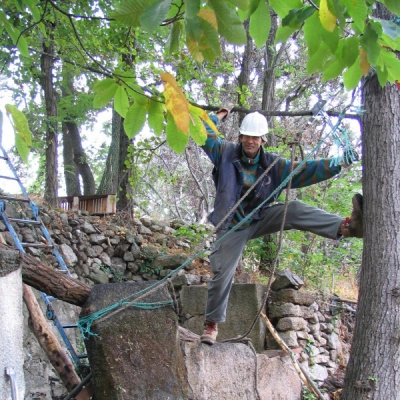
<point x="349" y="156"/>
<point x="224" y="109"/>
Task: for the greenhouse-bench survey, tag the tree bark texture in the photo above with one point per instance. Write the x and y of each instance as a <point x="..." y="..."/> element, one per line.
<point x="49" y="342"/>
<point x="74" y="141"/>
<point x="373" y="371"/>
<point x="109" y="181"/>
<point x="46" y="81"/>
<point x="71" y="174"/>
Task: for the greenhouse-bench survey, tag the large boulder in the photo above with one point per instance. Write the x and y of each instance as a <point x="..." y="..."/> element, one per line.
<point x="136" y="353"/>
<point x="243" y="305"/>
<point x="233" y="371"/>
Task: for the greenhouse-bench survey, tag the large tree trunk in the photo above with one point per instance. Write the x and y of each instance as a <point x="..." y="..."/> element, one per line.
<point x="109" y="181"/>
<point x="46" y="82"/>
<point x="80" y="159"/>
<point x="71" y="173"/>
<point x="73" y="144"/>
<point x="49" y="342"/>
<point x="373" y="370"/>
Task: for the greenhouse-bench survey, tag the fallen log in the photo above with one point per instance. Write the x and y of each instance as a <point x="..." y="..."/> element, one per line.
<point x="54" y="283"/>
<point x="49" y="342"/>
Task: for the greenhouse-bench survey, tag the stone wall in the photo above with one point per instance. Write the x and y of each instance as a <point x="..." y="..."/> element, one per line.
<point x="101" y="250"/>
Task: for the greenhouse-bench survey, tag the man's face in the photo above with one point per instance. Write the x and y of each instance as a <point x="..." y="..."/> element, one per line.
<point x="251" y="145"/>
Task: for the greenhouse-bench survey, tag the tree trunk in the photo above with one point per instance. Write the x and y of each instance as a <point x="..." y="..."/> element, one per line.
<point x="109" y="181"/>
<point x="46" y="81"/>
<point x="246" y="67"/>
<point x="71" y="174"/>
<point x="49" y="342"/>
<point x="124" y="202"/>
<point x="80" y="158"/>
<point x="73" y="144"/>
<point x="373" y="370"/>
<point x="270" y="61"/>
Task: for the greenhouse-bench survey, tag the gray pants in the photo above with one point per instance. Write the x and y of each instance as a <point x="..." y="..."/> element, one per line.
<point x="226" y="253"/>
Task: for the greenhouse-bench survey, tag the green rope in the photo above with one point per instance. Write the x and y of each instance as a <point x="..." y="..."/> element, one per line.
<point x="84" y="323"/>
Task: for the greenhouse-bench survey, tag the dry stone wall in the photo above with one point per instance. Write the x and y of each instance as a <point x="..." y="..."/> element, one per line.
<point x="109" y="249"/>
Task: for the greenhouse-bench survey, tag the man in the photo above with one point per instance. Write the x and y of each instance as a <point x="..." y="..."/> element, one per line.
<point x="236" y="167"/>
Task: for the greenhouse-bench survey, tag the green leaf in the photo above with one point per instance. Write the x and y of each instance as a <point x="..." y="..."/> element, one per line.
<point x="260" y="24"/>
<point x="245" y="14"/>
<point x="121" y="101"/>
<point x="134" y="120"/>
<point x="241" y="4"/>
<point x="382" y="76"/>
<point x="129" y="11"/>
<point x="174" y="37"/>
<point x="15" y="35"/>
<point x="391" y="64"/>
<point x="393" y="6"/>
<point x="331" y="39"/>
<point x="358" y="11"/>
<point x="31" y="4"/>
<point x="332" y="71"/>
<point x="297" y="16"/>
<point x="197" y="130"/>
<point x="283" y="33"/>
<point x="104" y="92"/>
<point x="209" y="42"/>
<point x="137" y="93"/>
<point x="317" y="61"/>
<point x="22" y="46"/>
<point x="282" y="8"/>
<point x="229" y="24"/>
<point x="176" y="139"/>
<point x="349" y="50"/>
<point x="23" y="136"/>
<point x="312" y="33"/>
<point x="369" y="42"/>
<point x="352" y="76"/>
<point x="192" y="8"/>
<point x="156" y="117"/>
<point x="153" y="15"/>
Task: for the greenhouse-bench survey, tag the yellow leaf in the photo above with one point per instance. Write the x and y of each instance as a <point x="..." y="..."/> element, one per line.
<point x="204" y="116"/>
<point x="193" y="48"/>
<point x="176" y="102"/>
<point x="364" y="64"/>
<point x="328" y="20"/>
<point x="209" y="16"/>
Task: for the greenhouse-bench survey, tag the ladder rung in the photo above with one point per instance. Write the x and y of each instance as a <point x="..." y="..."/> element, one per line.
<point x="81" y="355"/>
<point x="66" y="326"/>
<point x="14" y="198"/>
<point x="4" y="158"/>
<point x="38" y="245"/>
<point x="8" y="177"/>
<point x="25" y="221"/>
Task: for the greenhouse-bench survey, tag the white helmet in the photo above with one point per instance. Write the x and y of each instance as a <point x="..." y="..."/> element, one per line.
<point x="254" y="124"/>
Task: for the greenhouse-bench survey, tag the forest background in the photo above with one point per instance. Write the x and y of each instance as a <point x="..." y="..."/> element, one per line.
<point x="160" y="67"/>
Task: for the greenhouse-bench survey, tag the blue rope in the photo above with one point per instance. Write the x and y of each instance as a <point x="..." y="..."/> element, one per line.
<point x="85" y="323"/>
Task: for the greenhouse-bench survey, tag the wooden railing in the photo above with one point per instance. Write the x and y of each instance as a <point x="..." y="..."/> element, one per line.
<point x="94" y="204"/>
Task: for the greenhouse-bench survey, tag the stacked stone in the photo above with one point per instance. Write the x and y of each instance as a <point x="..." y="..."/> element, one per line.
<point x="97" y="250"/>
<point x="303" y="326"/>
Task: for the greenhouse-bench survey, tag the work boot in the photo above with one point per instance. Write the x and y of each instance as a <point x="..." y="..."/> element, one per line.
<point x="210" y="333"/>
<point x="353" y="226"/>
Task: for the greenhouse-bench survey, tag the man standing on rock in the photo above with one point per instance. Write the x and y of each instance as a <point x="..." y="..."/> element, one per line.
<point x="236" y="167"/>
